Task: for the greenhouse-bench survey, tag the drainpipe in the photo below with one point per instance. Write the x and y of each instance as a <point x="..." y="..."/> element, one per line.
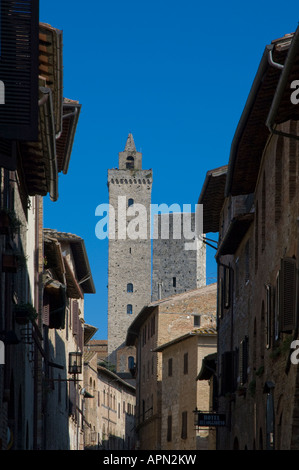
<point x="270" y="58"/>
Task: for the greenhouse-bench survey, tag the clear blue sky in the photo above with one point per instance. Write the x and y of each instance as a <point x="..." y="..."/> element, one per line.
<point x="176" y="74"/>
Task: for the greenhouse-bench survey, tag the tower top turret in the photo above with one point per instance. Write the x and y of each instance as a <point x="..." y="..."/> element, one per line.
<point x="130" y="145"/>
<point x="130" y="159"/>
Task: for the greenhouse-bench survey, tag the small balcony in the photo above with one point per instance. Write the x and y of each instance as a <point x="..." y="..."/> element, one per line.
<point x="237" y="216"/>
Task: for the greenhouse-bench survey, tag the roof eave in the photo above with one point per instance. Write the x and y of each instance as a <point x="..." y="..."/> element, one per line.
<point x="134" y="328"/>
<point x="215" y="177"/>
<point x="264" y="64"/>
<point x="293" y="53"/>
<point x="71" y="113"/>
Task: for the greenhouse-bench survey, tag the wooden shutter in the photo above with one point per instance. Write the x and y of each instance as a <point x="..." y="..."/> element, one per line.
<point x="75" y="317"/>
<point x="227" y="370"/>
<point x="19" y="41"/>
<point x="81" y="336"/>
<point x="220" y="298"/>
<point x="277" y="308"/>
<point x="227" y="286"/>
<point x="46" y="310"/>
<point x="186" y="363"/>
<point x="268" y="316"/>
<point x="72" y="399"/>
<point x="236" y="369"/>
<point x="170" y="367"/>
<point x="169" y="428"/>
<point x="243" y="360"/>
<point x="184" y="425"/>
<point x="288" y="294"/>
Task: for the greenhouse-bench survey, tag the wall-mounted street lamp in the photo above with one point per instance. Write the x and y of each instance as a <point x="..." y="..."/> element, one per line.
<point x="75" y="363"/>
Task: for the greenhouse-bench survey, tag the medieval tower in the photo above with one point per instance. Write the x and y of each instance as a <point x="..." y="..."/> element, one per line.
<point x="176" y="269"/>
<point x="129" y="263"/>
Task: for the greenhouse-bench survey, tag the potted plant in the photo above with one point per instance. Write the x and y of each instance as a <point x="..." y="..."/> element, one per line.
<point x="24" y="312"/>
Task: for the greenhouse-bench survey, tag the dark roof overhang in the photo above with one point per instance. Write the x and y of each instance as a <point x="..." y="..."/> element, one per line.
<point x="83" y="270"/>
<point x="54" y="264"/>
<point x="252" y="133"/>
<point x="89" y="332"/>
<point x="212" y="198"/>
<point x="235" y="233"/>
<point x="282" y="108"/>
<point x="51" y="67"/>
<point x="39" y="158"/>
<point x="65" y="140"/>
<point x="73" y="289"/>
<point x="43" y="159"/>
<point x="208" y="367"/>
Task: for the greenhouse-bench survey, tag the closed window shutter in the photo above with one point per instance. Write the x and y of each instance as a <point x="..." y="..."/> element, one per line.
<point x="46" y="310"/>
<point x="75" y="317"/>
<point x="184" y="425"/>
<point x="81" y="336"/>
<point x="277" y="308"/>
<point x="72" y="399"/>
<point x="19" y="43"/>
<point x="227" y="281"/>
<point x="269" y="316"/>
<point x="288" y="294"/>
<point x="169" y="428"/>
<point x="227" y="371"/>
<point x="243" y="360"/>
<point x="220" y="298"/>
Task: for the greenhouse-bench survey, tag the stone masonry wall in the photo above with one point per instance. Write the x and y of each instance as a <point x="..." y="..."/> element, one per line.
<point x="129" y="259"/>
<point x="176" y="269"/>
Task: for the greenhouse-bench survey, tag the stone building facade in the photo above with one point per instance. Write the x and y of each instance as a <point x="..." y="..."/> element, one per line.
<point x="182" y="359"/>
<point x="109" y="408"/>
<point x="158" y="323"/>
<point x="100" y="346"/>
<point x="31" y="159"/>
<point x="257" y="260"/>
<point x="176" y="268"/>
<point x="129" y="264"/>
<point x="63" y="330"/>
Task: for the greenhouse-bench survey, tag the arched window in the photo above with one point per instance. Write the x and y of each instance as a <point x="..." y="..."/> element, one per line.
<point x="129" y="309"/>
<point x="130" y="287"/>
<point x="130" y="163"/>
<point x="130" y="202"/>
<point x="131" y="362"/>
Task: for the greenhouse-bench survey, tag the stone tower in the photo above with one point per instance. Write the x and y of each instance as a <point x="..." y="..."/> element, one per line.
<point x="129" y="263"/>
<point x="176" y="269"/>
